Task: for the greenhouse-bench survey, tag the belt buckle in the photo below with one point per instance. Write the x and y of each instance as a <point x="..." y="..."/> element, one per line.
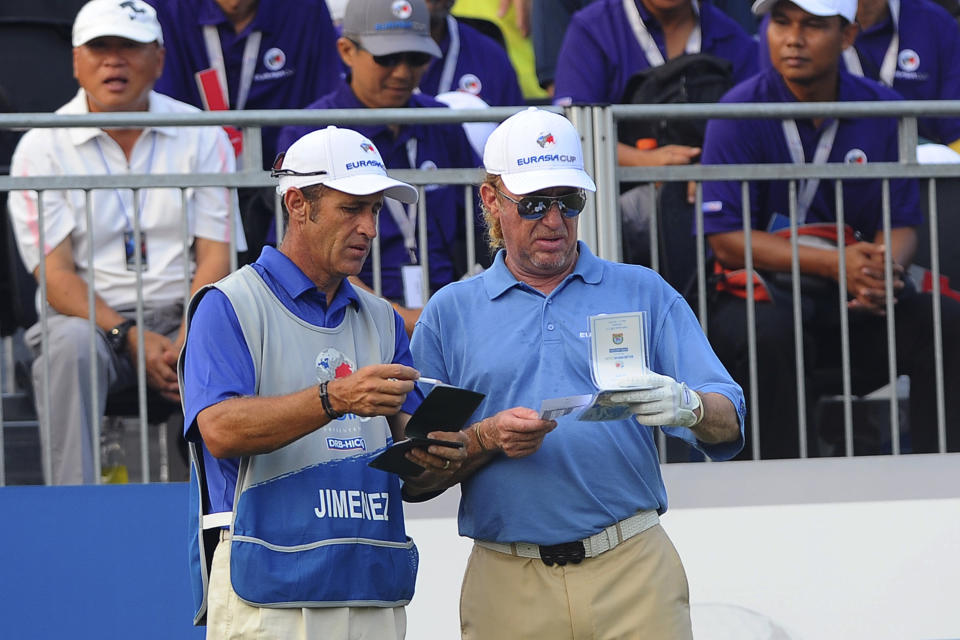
<point x="563" y="553"/>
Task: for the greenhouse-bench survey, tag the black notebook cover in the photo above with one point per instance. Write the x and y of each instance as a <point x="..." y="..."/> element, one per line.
<point x="444" y="409"/>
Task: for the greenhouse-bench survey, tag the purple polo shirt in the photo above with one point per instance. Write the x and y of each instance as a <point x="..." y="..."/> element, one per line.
<point x="482" y="68"/>
<point x="297" y="61"/>
<point x="600" y="52"/>
<point x="763" y="141"/>
<point x="439" y="146"/>
<point x="928" y="62"/>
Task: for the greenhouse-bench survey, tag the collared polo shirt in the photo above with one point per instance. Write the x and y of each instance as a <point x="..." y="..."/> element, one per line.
<point x="90" y="151"/>
<point x="928" y="60"/>
<point x="480" y="67"/>
<point x="297" y="61"/>
<point x="859" y="140"/>
<point x="218" y="365"/>
<point x="496" y="335"/>
<point x="600" y="52"/>
<point x="438" y="146"/>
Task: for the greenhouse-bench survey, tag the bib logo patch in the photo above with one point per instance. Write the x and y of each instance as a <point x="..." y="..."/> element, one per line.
<point x="332" y="364"/>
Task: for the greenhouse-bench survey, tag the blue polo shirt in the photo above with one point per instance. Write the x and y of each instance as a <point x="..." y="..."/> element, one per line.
<point x="763" y="141"/>
<point x="218" y="365"/>
<point x="481" y="67"/>
<point x="296" y="64"/>
<point x="928" y="62"/>
<point x="438" y="146"/>
<point x="498" y="336"/>
<point x="600" y="52"/>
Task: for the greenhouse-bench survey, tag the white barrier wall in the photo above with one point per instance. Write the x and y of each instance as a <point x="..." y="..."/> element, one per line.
<point x="815" y="550"/>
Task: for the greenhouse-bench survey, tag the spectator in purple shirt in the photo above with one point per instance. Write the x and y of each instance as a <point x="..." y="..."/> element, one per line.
<point x="469" y="62"/>
<point x="806" y="38"/>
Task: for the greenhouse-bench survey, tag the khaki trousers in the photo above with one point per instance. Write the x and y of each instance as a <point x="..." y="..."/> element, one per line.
<point x="637" y="590"/>
<point x="230" y="618"/>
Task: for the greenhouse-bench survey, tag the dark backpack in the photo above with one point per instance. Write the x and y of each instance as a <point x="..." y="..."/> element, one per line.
<point x="687" y="79"/>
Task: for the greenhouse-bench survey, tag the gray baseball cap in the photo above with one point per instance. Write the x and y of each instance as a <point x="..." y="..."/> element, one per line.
<point x="383" y="27"/>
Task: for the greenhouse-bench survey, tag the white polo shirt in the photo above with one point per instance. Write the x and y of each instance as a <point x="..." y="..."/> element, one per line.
<point x="90" y="151"/>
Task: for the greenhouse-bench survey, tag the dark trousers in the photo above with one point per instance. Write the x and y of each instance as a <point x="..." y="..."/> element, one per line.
<point x="777" y="367"/>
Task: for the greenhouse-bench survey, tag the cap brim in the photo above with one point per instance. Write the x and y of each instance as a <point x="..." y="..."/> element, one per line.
<point x="364" y="185"/>
<point x="761" y="7"/>
<point x="530" y="181"/>
<point x="387" y="43"/>
<point x="143" y="36"/>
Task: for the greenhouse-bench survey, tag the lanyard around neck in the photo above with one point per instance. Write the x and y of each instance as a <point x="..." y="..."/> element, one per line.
<point x="251" y="49"/>
<point x="889" y="65"/>
<point x="450" y="60"/>
<point x="128" y="217"/>
<point x="808" y="188"/>
<point x="405" y="217"/>
<point x="646" y="41"/>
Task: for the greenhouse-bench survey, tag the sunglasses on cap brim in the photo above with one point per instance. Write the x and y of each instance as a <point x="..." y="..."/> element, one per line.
<point x="570" y="205"/>
<point x="276" y="171"/>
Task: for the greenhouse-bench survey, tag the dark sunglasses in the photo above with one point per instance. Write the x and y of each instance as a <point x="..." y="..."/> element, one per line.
<point x="535" y="207"/>
<point x="412" y="58"/>
<point x="276" y="170"/>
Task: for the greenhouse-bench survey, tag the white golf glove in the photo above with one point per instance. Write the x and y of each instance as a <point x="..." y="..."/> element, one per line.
<point x="662" y="401"/>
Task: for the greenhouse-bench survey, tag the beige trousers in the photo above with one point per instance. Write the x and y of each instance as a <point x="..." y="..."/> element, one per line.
<point x="230" y="618"/>
<point x="637" y="590"/>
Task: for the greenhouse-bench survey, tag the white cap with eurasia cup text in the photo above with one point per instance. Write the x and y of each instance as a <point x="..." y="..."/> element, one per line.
<point x="536" y="149"/>
<point x="350" y="162"/>
<point x="825" y="8"/>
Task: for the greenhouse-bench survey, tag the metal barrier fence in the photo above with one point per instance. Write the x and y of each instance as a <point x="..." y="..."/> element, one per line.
<point x="600" y="224"/>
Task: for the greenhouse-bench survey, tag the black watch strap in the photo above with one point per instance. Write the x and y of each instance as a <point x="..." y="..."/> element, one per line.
<point x="117" y="337"/>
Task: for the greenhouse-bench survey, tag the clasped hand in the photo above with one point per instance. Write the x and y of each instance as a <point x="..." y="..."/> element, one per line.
<point x="660" y="400"/>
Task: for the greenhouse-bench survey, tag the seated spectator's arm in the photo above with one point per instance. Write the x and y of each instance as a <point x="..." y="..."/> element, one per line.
<point x="670" y="154"/>
<point x="243" y="426"/>
<point x="772" y="253"/>
<point x="67" y="291"/>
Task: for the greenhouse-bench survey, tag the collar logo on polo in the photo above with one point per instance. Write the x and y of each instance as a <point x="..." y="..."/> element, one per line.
<point x="855" y="156"/>
<point x="908" y="60"/>
<point x="402" y="9"/>
<point x="470" y="83"/>
<point x="546" y="139"/>
<point x="274" y="59"/>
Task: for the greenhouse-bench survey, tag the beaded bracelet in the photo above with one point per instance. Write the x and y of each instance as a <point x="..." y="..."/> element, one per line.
<point x="476" y="430"/>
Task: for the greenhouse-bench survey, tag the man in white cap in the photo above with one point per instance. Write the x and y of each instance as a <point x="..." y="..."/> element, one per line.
<point x="564" y="514"/>
<point x="292" y="381"/>
<point x="118" y="55"/>
<point x="806" y="40"/>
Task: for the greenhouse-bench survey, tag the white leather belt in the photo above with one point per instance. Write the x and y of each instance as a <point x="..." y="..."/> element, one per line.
<point x="592" y="546"/>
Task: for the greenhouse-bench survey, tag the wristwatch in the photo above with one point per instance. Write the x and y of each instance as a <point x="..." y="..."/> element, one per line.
<point x="117" y="337"/>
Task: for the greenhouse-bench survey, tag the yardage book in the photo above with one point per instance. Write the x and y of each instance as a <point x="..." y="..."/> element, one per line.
<point x="445" y="408"/>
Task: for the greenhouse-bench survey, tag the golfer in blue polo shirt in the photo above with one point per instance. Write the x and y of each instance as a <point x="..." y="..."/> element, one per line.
<point x="387" y="46"/>
<point x="912" y="46"/>
<point x="806" y="39"/>
<point x="564" y="513"/>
